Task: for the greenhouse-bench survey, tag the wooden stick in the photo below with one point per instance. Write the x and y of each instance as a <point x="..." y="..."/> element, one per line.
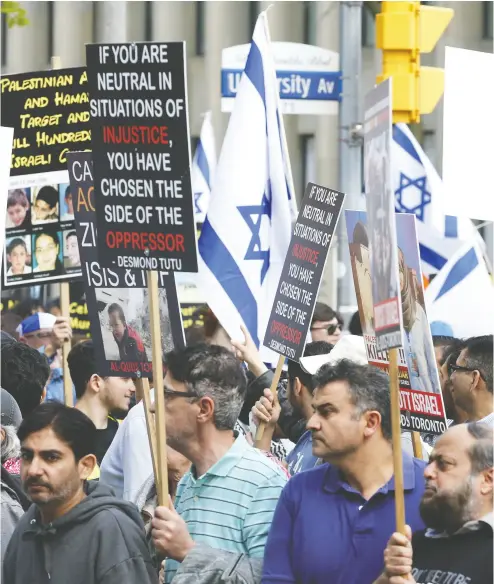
<point x="159" y="396"/>
<point x="56" y="63"/>
<point x="142" y="385"/>
<point x="417" y="445"/>
<point x="396" y="433"/>
<point x="274" y="391"/>
<point x="67" y="381"/>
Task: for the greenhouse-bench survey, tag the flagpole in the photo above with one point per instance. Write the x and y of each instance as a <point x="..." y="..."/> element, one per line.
<point x="282" y="125"/>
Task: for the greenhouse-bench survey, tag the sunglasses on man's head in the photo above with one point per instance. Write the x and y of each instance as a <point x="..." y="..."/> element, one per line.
<point x="332" y="328"/>
<point x="452" y="368"/>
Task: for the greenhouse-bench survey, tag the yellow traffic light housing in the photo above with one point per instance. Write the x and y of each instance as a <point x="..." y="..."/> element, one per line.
<point x="403" y="31"/>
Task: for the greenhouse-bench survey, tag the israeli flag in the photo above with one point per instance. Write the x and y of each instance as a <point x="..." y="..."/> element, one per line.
<point x="462" y="294"/>
<point x="203" y="168"/>
<point x="417" y="188"/>
<point x="247" y="230"/>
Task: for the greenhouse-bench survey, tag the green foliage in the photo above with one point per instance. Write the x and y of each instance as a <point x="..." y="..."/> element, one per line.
<point x="15" y="14"/>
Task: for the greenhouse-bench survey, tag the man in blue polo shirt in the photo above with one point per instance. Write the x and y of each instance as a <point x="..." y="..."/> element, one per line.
<point x="332" y="523"/>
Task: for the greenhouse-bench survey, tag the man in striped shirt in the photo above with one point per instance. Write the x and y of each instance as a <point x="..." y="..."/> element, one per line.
<point x="225" y="504"/>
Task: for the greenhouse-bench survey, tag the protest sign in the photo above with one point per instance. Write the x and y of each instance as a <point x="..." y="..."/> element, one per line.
<point x="380" y="202"/>
<point x="6" y="138"/>
<point x="117" y="295"/>
<point x="297" y="291"/>
<point x="141" y="154"/>
<point x="421" y="404"/>
<point x="49" y="113"/>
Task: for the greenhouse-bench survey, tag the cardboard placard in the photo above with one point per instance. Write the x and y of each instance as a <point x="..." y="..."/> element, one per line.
<point x="49" y="113"/>
<point x="140" y="141"/>
<point x="380" y="202"/>
<point x="118" y="296"/>
<point x="421" y="403"/>
<point x="300" y="279"/>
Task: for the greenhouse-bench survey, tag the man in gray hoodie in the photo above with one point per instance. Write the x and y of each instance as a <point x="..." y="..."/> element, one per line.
<point x="76" y="532"/>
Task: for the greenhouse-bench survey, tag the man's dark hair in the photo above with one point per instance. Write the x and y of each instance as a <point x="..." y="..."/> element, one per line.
<point x="14" y="243"/>
<point x="67" y="192"/>
<point x="479" y="356"/>
<point x="117" y="308"/>
<point x="24" y="374"/>
<point x="442" y="340"/>
<point x="324" y="313"/>
<point x="69" y="425"/>
<point x="71" y="234"/>
<point x="49" y="195"/>
<point x="295" y="369"/>
<point x="355" y="326"/>
<point x="367" y="385"/>
<point x="481" y="453"/>
<point x="213" y="371"/>
<point x="452" y="351"/>
<point x="82" y="365"/>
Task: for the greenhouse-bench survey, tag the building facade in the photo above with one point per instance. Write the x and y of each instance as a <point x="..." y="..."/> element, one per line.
<point x="61" y="28"/>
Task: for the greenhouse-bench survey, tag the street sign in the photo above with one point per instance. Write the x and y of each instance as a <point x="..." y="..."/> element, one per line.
<point x="308" y="77"/>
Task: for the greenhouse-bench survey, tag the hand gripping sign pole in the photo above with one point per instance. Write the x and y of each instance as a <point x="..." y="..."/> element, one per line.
<point x="56" y="63"/>
<point x="274" y="391"/>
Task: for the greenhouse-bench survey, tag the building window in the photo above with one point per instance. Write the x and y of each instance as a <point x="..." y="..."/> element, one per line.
<point x="4" y="40"/>
<point x="148" y="21"/>
<point x="310" y="23"/>
<point x="51" y="44"/>
<point x="309" y="172"/>
<point x="368" y="28"/>
<point x="200" y="26"/>
<point x="487" y="20"/>
<point x="254" y="10"/>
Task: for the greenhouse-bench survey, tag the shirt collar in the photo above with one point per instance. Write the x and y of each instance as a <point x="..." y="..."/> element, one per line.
<point x="224" y="465"/>
<point x="489" y="419"/>
<point x="469" y="527"/>
<point x="333" y="480"/>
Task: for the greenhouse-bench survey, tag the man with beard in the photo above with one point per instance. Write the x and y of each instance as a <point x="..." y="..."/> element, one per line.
<point x="75" y="531"/>
<point x="456" y="507"/>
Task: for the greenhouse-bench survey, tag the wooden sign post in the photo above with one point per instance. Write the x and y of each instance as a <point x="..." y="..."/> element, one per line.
<point x="56" y="63"/>
<point x="159" y="395"/>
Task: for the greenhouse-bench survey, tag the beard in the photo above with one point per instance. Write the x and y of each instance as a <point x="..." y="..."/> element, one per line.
<point x="448" y="511"/>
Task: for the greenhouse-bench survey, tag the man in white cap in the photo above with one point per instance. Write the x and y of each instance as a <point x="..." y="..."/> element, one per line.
<point x="300" y="392"/>
<point x="47" y="333"/>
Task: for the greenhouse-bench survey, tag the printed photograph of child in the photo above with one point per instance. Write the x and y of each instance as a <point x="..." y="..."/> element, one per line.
<point x="18" y="209"/>
<point x="19" y="256"/>
<point x="45" y="205"/>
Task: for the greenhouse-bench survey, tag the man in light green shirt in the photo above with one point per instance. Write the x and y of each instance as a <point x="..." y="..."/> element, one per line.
<point x="227" y="500"/>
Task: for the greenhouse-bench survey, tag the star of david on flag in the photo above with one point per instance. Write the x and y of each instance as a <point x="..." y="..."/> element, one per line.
<point x="203" y="168"/>
<point x="417" y="188"/>
<point x="247" y="230"/>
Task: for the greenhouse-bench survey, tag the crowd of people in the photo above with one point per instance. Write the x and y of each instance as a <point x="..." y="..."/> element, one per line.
<point x="312" y="502"/>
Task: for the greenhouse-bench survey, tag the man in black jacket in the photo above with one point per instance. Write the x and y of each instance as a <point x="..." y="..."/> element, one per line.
<point x="75" y="532"/>
<point x="457" y="508"/>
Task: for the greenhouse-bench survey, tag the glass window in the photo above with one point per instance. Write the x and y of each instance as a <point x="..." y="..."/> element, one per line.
<point x="309" y="172"/>
<point x="200" y="25"/>
<point x="310" y="23"/>
<point x="368" y="28"/>
<point x="487" y="20"/>
<point x="254" y="9"/>
<point x="4" y="33"/>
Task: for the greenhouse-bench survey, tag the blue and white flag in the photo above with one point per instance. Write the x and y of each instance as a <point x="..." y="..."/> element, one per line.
<point x="248" y="227"/>
<point x="462" y="294"/>
<point x="418" y="188"/>
<point x="203" y="168"/>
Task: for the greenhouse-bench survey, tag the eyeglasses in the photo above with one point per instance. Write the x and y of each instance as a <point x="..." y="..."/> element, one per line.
<point x="172" y="393"/>
<point x="44" y="335"/>
<point x="331" y="328"/>
<point x="452" y="368"/>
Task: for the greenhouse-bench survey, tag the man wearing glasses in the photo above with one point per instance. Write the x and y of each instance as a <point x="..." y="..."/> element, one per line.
<point x="472" y="380"/>
<point x="326" y="324"/>
<point x="225" y="504"/>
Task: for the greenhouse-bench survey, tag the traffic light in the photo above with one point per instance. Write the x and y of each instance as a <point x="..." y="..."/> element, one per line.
<point x="403" y="31"/>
